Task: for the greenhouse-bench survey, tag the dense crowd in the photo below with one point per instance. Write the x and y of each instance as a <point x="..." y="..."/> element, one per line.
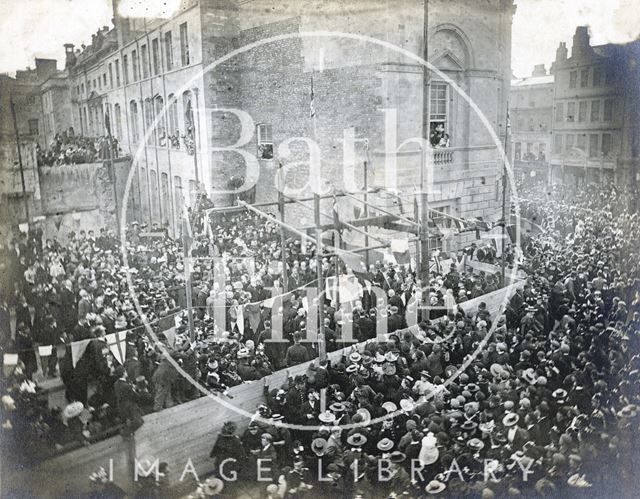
<point x="69" y="149"/>
<point x="65" y="293"/>
<point x="553" y="390"/>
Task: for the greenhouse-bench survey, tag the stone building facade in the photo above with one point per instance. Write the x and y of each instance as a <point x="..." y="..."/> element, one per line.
<point x="174" y="106"/>
<point x="596" y="112"/>
<point x="531" y="116"/>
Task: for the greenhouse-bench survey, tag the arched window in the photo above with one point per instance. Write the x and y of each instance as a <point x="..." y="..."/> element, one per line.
<point x="161" y="126"/>
<point x="135" y="131"/>
<point x="172" y="118"/>
<point x="118" y="119"/>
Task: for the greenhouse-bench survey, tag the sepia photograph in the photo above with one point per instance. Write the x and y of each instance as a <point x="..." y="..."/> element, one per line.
<point x="300" y="249"/>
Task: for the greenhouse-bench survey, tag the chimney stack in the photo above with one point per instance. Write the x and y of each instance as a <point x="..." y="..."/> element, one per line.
<point x="70" y="55"/>
<point x="561" y="52"/>
<point x="539" y="70"/>
<point x="581" y="44"/>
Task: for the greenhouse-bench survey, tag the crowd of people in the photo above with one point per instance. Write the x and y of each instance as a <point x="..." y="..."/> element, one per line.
<point x="549" y="406"/>
<point x="63" y="293"/>
<point x="553" y="388"/>
<point x="70" y="149"/>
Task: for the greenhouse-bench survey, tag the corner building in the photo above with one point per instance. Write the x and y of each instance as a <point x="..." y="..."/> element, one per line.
<point x="155" y="71"/>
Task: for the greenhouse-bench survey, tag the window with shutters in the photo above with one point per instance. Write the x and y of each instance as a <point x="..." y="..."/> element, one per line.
<point x="264" y="134"/>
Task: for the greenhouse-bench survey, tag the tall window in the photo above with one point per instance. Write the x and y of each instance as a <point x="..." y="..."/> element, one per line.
<point x="584" y="78"/>
<point x="184" y="44"/>
<point x="573" y="79"/>
<point x="178" y="198"/>
<point x="518" y="151"/>
<point x="559" y="111"/>
<point x="153" y="191"/>
<point x="597" y="76"/>
<point x="118" y="119"/>
<point x="33" y="127"/>
<point x="606" y="144"/>
<point x="145" y="61"/>
<point x="571" y="112"/>
<point x="168" y="50"/>
<point x="438" y="115"/>
<point x="111" y="75"/>
<point x="582" y="111"/>
<point x="189" y="122"/>
<point x="135" y="131"/>
<point x="542" y="150"/>
<point x="165" y="200"/>
<point x="148" y="121"/>
<point x="265" y="141"/>
<point x="595" y="110"/>
<point x="155" y="54"/>
<point x="609" y="76"/>
<point x="557" y="143"/>
<point x="161" y="127"/>
<point x="593" y="144"/>
<point x="117" y="64"/>
<point x="581" y="142"/>
<point x="134" y="64"/>
<point x="172" y="118"/>
<point x="104" y="79"/>
<point x="570" y="141"/>
<point x="125" y="69"/>
<point x="608" y="110"/>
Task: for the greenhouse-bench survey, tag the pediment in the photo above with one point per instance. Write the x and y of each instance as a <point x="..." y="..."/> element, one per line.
<point x="447" y="61"/>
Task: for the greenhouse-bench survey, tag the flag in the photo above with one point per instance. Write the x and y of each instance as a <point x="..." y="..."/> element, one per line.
<point x="117" y="343"/>
<point x="77" y="350"/>
<point x="312" y="107"/>
<point x="107" y="123"/>
<point x="416" y="212"/>
<point x="186" y="231"/>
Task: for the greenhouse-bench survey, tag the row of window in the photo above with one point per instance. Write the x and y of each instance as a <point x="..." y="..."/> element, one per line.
<point x="531" y="152"/>
<point x="142" y="68"/>
<point x="596" y="144"/>
<point x="586" y="111"/>
<point x="155" y="197"/>
<point x="596" y="76"/>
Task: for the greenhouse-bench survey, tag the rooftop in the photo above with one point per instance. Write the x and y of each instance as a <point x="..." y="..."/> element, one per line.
<point x="532" y="80"/>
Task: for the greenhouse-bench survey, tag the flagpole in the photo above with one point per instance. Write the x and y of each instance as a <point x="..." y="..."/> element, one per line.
<point x="366" y="199"/>
<point x="24" y="187"/>
<point x="112" y="171"/>
<point x="504" y="198"/>
<point x="186" y="248"/>
<point x="322" y="348"/>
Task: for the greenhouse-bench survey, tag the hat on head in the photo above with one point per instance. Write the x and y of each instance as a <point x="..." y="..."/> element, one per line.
<point x="212" y="486"/>
<point x="560" y="395"/>
<point x="475" y="444"/>
<point x="357" y="440"/>
<point x="389" y="407"/>
<point x="366" y="415"/>
<point x="397" y="456"/>
<point x="407" y="405"/>
<point x="355" y="357"/>
<point x="469" y="425"/>
<point x="352" y="368"/>
<point x="327" y="417"/>
<point x="510" y="419"/>
<point x="318" y="446"/>
<point x="72" y="410"/>
<point x="391" y="356"/>
<point x="435" y="487"/>
<point x="385" y="445"/>
<point x="337" y="407"/>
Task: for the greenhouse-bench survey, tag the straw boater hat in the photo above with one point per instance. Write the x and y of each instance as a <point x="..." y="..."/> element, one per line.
<point x="212" y="486"/>
<point x="352" y="368"/>
<point x="72" y="410"/>
<point x="435" y="487"/>
<point x="327" y="417"/>
<point x="319" y="446"/>
<point x="510" y="419"/>
<point x="365" y="414"/>
<point x="475" y="444"/>
<point x="355" y="357"/>
<point x="357" y="440"/>
<point x="407" y="405"/>
<point x="385" y="444"/>
<point x="389" y="407"/>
